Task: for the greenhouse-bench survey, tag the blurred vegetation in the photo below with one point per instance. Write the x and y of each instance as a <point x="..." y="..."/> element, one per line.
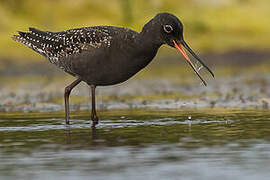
<point x="210" y="25"/>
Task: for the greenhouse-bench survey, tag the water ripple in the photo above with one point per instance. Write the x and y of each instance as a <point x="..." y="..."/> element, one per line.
<point x="121" y="123"/>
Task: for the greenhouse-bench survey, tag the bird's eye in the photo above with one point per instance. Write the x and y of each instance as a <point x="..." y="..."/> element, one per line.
<point x="168" y="28"/>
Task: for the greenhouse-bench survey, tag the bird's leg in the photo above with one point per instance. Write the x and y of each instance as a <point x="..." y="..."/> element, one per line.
<point x="94" y="116"/>
<point x="66" y="95"/>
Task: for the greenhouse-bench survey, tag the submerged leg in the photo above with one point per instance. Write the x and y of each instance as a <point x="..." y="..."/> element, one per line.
<point x="94" y="116"/>
<point x="66" y="95"/>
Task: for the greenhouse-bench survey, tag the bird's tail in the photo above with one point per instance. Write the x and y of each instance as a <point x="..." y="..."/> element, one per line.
<point x="34" y="39"/>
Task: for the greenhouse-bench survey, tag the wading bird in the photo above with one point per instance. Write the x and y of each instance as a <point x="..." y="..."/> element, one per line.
<point x="107" y="55"/>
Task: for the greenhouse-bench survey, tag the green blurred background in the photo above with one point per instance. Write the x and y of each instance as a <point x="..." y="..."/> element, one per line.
<point x="210" y="25"/>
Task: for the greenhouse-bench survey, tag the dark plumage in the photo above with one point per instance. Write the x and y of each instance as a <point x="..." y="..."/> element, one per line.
<point x="106" y="55"/>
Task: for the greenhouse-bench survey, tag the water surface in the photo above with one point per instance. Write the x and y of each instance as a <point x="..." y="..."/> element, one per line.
<point x="204" y="144"/>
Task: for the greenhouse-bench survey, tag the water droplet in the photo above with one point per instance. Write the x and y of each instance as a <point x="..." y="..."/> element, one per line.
<point x="200" y="68"/>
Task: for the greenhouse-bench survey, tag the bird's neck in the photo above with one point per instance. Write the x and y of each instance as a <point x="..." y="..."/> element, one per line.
<point x="150" y="35"/>
<point x="148" y="41"/>
<point x="147" y="45"/>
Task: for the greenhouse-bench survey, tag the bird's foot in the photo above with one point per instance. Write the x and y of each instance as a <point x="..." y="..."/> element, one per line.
<point x="67" y="121"/>
<point x="94" y="118"/>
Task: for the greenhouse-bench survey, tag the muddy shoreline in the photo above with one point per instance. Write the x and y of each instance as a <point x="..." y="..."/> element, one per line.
<point x="38" y="96"/>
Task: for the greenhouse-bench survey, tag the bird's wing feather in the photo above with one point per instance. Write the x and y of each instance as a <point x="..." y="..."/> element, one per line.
<point x="59" y="46"/>
<point x="65" y="43"/>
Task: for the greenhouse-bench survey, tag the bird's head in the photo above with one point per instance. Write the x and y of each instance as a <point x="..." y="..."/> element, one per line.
<point x="171" y="33"/>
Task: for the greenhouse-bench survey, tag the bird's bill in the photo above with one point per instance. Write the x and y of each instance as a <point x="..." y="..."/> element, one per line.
<point x="179" y="45"/>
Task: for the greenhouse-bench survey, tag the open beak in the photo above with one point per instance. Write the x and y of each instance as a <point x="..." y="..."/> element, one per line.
<point x="179" y="45"/>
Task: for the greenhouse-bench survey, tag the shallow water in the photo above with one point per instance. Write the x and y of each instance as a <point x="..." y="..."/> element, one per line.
<point x="204" y="144"/>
